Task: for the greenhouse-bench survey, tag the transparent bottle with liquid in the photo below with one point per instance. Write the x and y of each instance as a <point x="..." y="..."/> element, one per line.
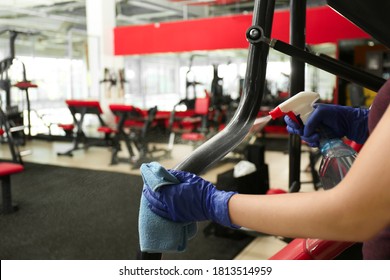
<point x="337" y="159"/>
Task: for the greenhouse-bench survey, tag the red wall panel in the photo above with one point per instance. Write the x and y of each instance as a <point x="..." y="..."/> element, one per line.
<point x="181" y="36"/>
<point x="227" y="32"/>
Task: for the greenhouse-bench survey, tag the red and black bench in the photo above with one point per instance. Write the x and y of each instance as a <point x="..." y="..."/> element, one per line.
<point x="79" y="109"/>
<point x="132" y="127"/>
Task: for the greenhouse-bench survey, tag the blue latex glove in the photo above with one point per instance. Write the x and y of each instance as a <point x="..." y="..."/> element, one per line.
<point x="338" y="121"/>
<point x="194" y="199"/>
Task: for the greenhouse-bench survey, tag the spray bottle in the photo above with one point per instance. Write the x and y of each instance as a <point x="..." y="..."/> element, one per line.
<point x="337" y="157"/>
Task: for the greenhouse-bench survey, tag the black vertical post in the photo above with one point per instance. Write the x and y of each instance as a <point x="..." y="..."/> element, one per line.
<point x="6" y="190"/>
<point x="12" y="38"/>
<point x="297" y="84"/>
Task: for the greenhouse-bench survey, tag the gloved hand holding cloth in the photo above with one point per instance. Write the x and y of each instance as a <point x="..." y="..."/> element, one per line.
<point x="193" y="199"/>
<point x="339" y="121"/>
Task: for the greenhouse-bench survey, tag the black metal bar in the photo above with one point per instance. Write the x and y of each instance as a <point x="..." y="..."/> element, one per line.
<point x="13" y="147"/>
<point x="297" y="84"/>
<point x="331" y="65"/>
<point x="12" y="38"/>
<point x="6" y="191"/>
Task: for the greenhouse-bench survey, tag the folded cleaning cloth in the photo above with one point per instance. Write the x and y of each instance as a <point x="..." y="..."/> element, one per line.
<point x="156" y="234"/>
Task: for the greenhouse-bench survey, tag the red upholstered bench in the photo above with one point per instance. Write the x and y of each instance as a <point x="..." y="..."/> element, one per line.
<point x="132" y="127"/>
<point x="78" y="109"/>
<point x="311" y="249"/>
<point x="6" y="170"/>
<point x="130" y="115"/>
<point x="132" y="118"/>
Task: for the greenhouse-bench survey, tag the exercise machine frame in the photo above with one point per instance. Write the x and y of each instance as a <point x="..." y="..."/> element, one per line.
<point x="258" y="36"/>
<point x="11" y="118"/>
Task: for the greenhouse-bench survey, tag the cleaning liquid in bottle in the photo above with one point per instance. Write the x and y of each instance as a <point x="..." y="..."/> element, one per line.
<point x="337" y="159"/>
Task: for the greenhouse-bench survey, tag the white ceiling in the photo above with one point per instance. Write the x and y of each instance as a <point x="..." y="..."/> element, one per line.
<point x="28" y="3"/>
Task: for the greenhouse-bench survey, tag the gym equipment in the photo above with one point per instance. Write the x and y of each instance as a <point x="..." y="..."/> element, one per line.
<point x="6" y="129"/>
<point x="216" y="88"/>
<point x="177" y="123"/>
<point x="258" y="36"/>
<point x="79" y="109"/>
<point x="190" y="102"/>
<point x="25" y="85"/>
<point x="198" y="124"/>
<point x="11" y="116"/>
<point x="6" y="170"/>
<point x="133" y="125"/>
<point x="200" y="121"/>
<point x="187" y="123"/>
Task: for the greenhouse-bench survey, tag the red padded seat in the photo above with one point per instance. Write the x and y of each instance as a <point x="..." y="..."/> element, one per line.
<point x="138" y="116"/>
<point x="25" y="85"/>
<point x="91" y="104"/>
<point x="6" y="170"/>
<point x="107" y="130"/>
<point x="66" y="127"/>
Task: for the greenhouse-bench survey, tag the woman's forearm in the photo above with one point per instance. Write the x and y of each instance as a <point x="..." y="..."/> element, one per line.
<point x="354" y="210"/>
<point x="291" y="215"/>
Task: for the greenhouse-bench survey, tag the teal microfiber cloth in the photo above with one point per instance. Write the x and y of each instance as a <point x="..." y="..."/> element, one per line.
<point x="157" y="234"/>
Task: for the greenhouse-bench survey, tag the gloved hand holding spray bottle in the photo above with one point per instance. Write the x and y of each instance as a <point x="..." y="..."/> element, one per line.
<point x="337" y="157"/>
